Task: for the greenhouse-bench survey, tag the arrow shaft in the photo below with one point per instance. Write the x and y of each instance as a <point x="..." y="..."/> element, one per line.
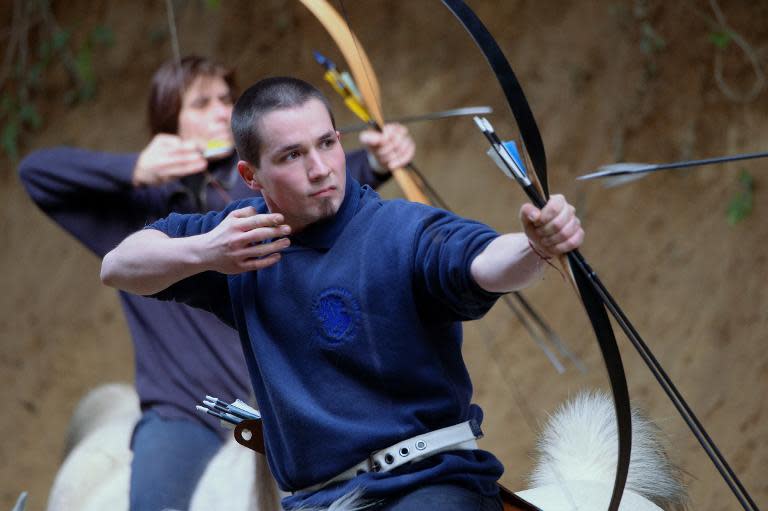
<point x="456" y="112"/>
<point x="706" y="161"/>
<point x="626" y="169"/>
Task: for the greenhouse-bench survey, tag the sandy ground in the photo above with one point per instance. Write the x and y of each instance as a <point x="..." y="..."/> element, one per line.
<point x="692" y="284"/>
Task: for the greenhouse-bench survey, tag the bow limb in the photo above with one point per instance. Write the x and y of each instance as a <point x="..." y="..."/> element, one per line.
<point x="594" y="295"/>
<point x="592" y="301"/>
<point x="362" y="71"/>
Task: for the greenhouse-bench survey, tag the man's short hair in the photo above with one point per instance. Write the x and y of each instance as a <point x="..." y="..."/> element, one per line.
<point x="263" y="97"/>
<point x="169" y="84"/>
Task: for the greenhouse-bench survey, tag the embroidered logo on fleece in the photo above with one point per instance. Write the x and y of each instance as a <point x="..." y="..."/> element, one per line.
<point x="337" y="313"/>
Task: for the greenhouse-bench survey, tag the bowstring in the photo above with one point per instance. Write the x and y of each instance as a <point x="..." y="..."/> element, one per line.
<point x="174" y="35"/>
<point x="216" y="184"/>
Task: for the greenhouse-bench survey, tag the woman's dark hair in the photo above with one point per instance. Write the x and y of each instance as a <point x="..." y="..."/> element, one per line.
<point x="170" y="82"/>
<point x="261" y="98"/>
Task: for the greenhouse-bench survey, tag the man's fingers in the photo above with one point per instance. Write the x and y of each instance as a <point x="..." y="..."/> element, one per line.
<point x="256" y="228"/>
<point x="259" y="250"/>
<point x="253" y="221"/>
<point x="190" y="145"/>
<point x="530" y="214"/>
<point x="180" y="168"/>
<point x="165" y="140"/>
<point x="555" y="229"/>
<point x="252" y="242"/>
<point x="551" y="209"/>
<point x="393" y="147"/>
<point x="571" y="243"/>
<point x="168" y="164"/>
<point x="257" y="219"/>
<point x="397" y="147"/>
<point x="186" y="150"/>
<point x="555" y="223"/>
<point x="260" y="264"/>
<point x="371" y="138"/>
<point x="257" y="256"/>
<point x="243" y="212"/>
<point x="567" y="231"/>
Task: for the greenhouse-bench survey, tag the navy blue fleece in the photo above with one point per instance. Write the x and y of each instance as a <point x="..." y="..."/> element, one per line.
<point x="181" y="353"/>
<point x="354" y="340"/>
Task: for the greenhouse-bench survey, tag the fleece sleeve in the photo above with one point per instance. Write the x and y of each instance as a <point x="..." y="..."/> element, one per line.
<point x="445" y="247"/>
<point x="207" y="290"/>
<point x="359" y="167"/>
<point x="90" y="194"/>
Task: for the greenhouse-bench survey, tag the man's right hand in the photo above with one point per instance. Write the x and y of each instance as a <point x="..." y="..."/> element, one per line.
<point x="167" y="157"/>
<point x="148" y="261"/>
<point x="237" y="245"/>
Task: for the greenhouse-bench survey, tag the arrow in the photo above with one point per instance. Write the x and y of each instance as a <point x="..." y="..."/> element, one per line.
<point x="637" y="169"/>
<point x="455" y="112"/>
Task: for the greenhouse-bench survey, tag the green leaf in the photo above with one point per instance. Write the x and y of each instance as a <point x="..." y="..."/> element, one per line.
<point x="720" y="39"/>
<point x="44" y="50"/>
<point x="741" y="204"/>
<point x="7" y="104"/>
<point x="84" y="66"/>
<point x="18" y="71"/>
<point x="29" y="116"/>
<point x="9" y="139"/>
<point x="158" y="35"/>
<point x="59" y="39"/>
<point x="651" y="41"/>
<point x="102" y="35"/>
<point x="34" y="75"/>
<point x="213" y="4"/>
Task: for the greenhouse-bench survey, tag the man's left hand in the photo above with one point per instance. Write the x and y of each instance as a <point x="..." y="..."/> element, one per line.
<point x="392" y="147"/>
<point x="553" y="230"/>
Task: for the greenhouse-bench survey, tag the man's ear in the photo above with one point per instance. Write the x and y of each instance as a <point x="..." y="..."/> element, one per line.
<point x="249" y="175"/>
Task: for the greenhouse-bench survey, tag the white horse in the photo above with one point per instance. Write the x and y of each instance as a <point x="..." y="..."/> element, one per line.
<point x="575" y="469"/>
<point x="95" y="473"/>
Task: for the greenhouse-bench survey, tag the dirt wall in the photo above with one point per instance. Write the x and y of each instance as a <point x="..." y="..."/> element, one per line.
<point x="607" y="81"/>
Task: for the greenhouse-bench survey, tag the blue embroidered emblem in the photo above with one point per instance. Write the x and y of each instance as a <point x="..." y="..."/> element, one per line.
<point x="337" y="312"/>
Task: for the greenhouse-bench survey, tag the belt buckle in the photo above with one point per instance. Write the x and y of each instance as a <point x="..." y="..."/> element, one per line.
<point x="373" y="465"/>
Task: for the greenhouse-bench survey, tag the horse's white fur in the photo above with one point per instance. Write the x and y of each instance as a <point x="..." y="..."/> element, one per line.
<point x="578" y="446"/>
<point x="95" y="474"/>
<point x="577" y="453"/>
<point x="96" y="470"/>
<point x="354" y="501"/>
<point x="236" y="479"/>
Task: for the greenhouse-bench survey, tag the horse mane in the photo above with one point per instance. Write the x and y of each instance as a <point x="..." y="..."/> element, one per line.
<point x="579" y="442"/>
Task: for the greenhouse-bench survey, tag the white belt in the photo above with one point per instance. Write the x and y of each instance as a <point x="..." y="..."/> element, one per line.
<point x="453" y="438"/>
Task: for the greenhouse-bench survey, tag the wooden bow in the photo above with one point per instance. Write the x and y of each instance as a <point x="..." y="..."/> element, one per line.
<point x="364" y="76"/>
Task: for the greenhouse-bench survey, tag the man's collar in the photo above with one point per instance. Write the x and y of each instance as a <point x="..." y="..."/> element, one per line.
<point x="322" y="234"/>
